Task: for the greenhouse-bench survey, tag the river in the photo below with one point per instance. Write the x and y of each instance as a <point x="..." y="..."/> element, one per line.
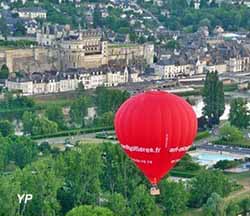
<point x="199" y="104"/>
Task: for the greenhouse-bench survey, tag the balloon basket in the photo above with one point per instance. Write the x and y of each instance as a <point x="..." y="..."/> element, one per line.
<point x="154" y="191"/>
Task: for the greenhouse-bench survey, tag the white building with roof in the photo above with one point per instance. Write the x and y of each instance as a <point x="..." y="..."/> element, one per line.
<point x="54" y="82"/>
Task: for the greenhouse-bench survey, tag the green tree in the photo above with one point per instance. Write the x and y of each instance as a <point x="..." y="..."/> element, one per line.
<point x="81" y="169"/>
<point x="4" y="72"/>
<point x="239" y="113"/>
<point x="245" y="205"/>
<point x="90" y="211"/>
<point x="6" y="128"/>
<point x="187" y="164"/>
<point x="232" y="209"/>
<point x="45" y="148"/>
<point x="177" y="5"/>
<point x="44" y="126"/>
<point x="204" y="3"/>
<point x="9" y="188"/>
<point x="40" y="179"/>
<point x="206" y="183"/>
<point x="4" y="144"/>
<point x="28" y="119"/>
<point x="214" y="206"/>
<point x="4" y="29"/>
<point x="205" y="22"/>
<point x="174" y="197"/>
<point x="191" y="4"/>
<point x="109" y="100"/>
<point x="173" y="44"/>
<point x="106" y="119"/>
<point x="20" y="29"/>
<point x="213" y="97"/>
<point x="226" y="164"/>
<point x="117" y="171"/>
<point x="213" y="4"/>
<point x="10" y="102"/>
<point x="80" y="88"/>
<point x="55" y="114"/>
<point x="78" y="110"/>
<point x="230" y="133"/>
<point x="22" y="151"/>
<point x="118" y="204"/>
<point x="97" y="17"/>
<point x="143" y="204"/>
<point x="132" y="36"/>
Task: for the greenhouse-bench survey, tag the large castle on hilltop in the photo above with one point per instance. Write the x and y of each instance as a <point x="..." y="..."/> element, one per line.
<point x="62" y="48"/>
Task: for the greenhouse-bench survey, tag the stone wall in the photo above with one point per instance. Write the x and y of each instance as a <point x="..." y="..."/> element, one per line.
<point x="30" y="60"/>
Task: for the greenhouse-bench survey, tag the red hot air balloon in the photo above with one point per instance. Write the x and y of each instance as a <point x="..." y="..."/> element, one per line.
<point x="155" y="129"/>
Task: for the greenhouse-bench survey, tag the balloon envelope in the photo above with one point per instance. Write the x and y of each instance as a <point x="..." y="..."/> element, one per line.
<point x="155" y="129"/>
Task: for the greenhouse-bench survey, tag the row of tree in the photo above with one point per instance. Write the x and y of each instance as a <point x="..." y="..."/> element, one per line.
<point x="101" y="176"/>
<point x="214" y="104"/>
<point x="15" y="102"/>
<point x="215" y="206"/>
<point x="49" y="119"/>
<point x="214" y="107"/>
<point x="183" y="16"/>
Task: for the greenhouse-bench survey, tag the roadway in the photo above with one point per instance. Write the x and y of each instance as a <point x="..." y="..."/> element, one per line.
<point x="204" y="144"/>
<point x="72" y="139"/>
<point x="225" y="148"/>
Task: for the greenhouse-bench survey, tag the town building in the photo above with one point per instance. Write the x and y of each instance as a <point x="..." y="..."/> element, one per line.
<point x="55" y="82"/>
<point x="170" y="68"/>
